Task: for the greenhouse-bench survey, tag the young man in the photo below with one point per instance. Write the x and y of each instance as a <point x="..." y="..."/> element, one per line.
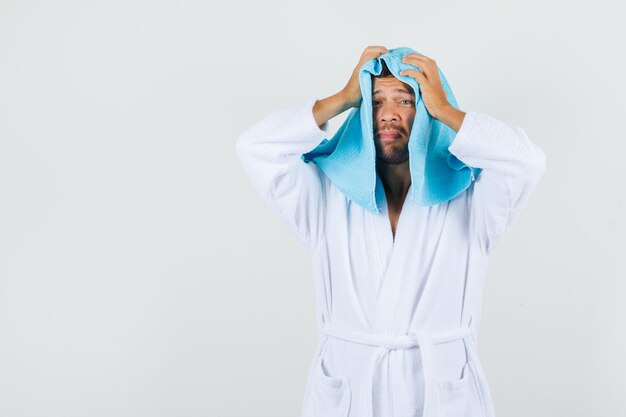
<point x="398" y="293"/>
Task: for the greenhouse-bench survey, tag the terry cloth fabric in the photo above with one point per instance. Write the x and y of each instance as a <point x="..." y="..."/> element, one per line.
<point x="349" y="158"/>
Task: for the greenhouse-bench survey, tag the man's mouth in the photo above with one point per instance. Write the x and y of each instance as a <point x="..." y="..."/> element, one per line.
<point x="388" y="135"/>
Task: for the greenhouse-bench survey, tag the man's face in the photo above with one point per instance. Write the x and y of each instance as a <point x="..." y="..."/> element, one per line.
<point x="393" y="108"/>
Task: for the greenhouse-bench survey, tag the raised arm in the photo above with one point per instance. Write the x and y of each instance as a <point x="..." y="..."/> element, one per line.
<point x="270" y="152"/>
<point x="512" y="166"/>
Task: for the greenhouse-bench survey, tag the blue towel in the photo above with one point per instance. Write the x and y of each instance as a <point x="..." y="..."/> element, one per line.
<point x="349" y="158"/>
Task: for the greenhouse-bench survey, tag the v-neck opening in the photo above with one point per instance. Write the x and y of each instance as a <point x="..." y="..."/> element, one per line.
<point x="392" y="253"/>
<point x="385" y="212"/>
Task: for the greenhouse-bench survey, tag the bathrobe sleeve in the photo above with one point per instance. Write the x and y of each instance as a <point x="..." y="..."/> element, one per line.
<point x="512" y="166"/>
<point x="270" y="152"/>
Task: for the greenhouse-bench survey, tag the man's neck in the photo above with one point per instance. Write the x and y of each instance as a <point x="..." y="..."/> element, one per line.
<point x="396" y="178"/>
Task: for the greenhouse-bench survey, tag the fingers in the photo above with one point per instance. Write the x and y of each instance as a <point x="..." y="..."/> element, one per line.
<point x="417" y="58"/>
<point x="373" y="52"/>
<point x="418" y="75"/>
<point x="426" y="65"/>
<point x="370" y="52"/>
<point x="377" y="49"/>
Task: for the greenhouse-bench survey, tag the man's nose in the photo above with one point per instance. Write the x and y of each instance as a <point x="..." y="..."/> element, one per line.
<point x="388" y="113"/>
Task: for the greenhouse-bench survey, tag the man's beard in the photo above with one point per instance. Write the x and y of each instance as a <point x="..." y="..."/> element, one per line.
<point x="393" y="154"/>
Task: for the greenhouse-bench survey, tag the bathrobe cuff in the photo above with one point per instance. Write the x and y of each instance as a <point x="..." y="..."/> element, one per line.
<point x="315" y="130"/>
<point x="310" y="134"/>
<point x="464" y="140"/>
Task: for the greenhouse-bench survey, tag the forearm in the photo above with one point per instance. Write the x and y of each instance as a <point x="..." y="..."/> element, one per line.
<point x="451" y="117"/>
<point x="329" y="107"/>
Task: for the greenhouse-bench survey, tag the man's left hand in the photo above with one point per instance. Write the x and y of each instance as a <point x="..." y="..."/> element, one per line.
<point x="433" y="95"/>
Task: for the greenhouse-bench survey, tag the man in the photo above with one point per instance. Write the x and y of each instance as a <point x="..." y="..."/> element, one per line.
<point x="398" y="293"/>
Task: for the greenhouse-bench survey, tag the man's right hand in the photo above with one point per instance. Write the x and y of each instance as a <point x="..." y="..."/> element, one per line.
<point x="352" y="90"/>
<point x="350" y="95"/>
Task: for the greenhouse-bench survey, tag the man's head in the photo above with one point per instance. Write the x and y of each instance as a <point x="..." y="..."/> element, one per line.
<point x="393" y="111"/>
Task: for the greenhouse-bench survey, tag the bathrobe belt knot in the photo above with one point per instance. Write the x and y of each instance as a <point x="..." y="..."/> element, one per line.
<point x="385" y="344"/>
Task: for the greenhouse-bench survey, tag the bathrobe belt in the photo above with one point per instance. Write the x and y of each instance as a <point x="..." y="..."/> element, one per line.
<point x="385" y="344"/>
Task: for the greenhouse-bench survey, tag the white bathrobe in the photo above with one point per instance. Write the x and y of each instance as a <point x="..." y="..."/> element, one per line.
<point x="398" y="319"/>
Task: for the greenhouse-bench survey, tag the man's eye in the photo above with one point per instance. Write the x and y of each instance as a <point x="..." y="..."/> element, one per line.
<point x="409" y="101"/>
<point x="375" y="102"/>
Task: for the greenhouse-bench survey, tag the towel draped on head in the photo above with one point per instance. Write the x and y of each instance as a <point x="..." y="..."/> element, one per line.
<point x="348" y="159"/>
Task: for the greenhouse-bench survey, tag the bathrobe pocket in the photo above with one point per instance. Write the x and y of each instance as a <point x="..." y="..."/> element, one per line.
<point x="329" y="396"/>
<point x="459" y="397"/>
<point x="457" y="384"/>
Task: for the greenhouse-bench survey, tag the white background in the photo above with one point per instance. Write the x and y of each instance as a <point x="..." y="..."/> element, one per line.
<point x="140" y="275"/>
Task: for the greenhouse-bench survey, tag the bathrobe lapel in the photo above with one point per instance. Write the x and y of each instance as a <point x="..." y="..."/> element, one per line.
<point x="418" y="235"/>
<point x="393" y="255"/>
